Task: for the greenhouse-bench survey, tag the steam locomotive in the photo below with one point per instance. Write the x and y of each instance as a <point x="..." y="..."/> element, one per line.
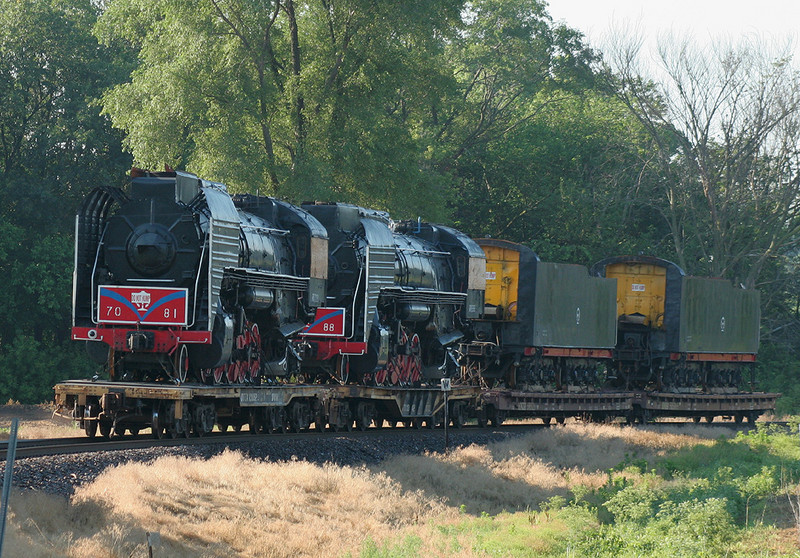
<point x="178" y="281"/>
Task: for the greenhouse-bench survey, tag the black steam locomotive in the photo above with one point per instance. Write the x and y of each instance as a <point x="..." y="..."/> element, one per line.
<point x="177" y="280"/>
<point x="404" y="294"/>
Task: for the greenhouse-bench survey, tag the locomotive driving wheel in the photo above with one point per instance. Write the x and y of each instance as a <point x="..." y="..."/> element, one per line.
<point x="414" y="362"/>
<point x="254" y="356"/>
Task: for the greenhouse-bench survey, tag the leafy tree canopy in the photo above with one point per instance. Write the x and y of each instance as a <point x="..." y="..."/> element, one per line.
<point x="368" y="102"/>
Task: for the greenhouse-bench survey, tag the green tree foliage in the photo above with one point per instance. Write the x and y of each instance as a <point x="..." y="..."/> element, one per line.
<point x="565" y="183"/>
<point x="366" y="102"/>
<point x="302" y="101"/>
<point x="54" y="146"/>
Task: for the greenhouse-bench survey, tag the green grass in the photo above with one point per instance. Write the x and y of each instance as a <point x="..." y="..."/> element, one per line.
<point x="726" y="499"/>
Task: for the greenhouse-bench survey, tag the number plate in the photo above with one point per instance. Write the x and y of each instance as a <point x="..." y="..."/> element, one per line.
<point x="143" y="305"/>
<point x="328" y="322"/>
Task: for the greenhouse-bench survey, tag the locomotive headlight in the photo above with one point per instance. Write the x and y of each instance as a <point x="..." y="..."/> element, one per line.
<point x="151" y="249"/>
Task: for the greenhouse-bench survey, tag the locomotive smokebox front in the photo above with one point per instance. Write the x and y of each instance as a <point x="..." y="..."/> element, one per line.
<point x="152" y="237"/>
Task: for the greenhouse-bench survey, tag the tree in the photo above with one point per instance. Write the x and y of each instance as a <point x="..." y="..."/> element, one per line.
<point x="725" y="126"/>
<point x="54" y="146"/>
<point x="366" y="102"/>
<point x="564" y="183"/>
<point x="301" y="101"/>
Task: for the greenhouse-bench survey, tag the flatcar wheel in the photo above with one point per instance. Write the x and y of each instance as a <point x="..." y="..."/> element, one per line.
<point x="253" y="422"/>
<point x="547" y="421"/>
<point x="283" y="424"/>
<point x="378" y="422"/>
<point x="364" y="414"/>
<point x="157" y="424"/>
<point x="134" y="431"/>
<point x="496" y="417"/>
<point x="90" y="427"/>
<point x="560" y="420"/>
<point x="482" y="418"/>
<point x="696" y="419"/>
<point x="458" y="414"/>
<point x="320" y="421"/>
<point x="168" y="420"/>
<point x="105" y="428"/>
<point x="738" y="418"/>
<point x="709" y="418"/>
<point x="90" y="420"/>
<point x="416" y="423"/>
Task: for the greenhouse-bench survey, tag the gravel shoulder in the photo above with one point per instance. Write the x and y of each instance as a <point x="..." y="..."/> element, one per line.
<point x="63" y="473"/>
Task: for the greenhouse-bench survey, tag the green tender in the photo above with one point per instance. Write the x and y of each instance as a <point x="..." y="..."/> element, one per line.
<point x="717" y="317"/>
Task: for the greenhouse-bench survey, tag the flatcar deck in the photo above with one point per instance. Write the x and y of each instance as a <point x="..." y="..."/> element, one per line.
<point x="181" y="408"/>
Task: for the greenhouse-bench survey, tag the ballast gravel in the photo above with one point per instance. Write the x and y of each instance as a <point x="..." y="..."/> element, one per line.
<point x="62" y="473"/>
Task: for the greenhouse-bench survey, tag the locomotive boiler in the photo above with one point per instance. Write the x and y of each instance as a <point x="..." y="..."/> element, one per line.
<point x="176" y="280"/>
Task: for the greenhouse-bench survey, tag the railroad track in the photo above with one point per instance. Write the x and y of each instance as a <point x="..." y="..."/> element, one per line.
<point x="71" y="445"/>
<point x="57" y="446"/>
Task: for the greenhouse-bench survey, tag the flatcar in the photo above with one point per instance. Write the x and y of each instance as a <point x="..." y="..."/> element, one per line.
<point x="208" y="309"/>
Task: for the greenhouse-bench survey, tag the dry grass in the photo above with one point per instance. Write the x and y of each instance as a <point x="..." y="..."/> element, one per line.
<point x="233" y="506"/>
<point x="35" y="421"/>
<point x="521" y="473"/>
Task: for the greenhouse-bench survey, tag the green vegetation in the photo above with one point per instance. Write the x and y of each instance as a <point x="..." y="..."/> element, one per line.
<point x="728" y="498"/>
<point x="484" y="114"/>
<point x="578" y="490"/>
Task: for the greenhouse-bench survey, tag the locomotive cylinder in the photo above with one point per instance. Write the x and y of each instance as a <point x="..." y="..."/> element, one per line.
<point x="257" y="298"/>
<point x="414" y="312"/>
